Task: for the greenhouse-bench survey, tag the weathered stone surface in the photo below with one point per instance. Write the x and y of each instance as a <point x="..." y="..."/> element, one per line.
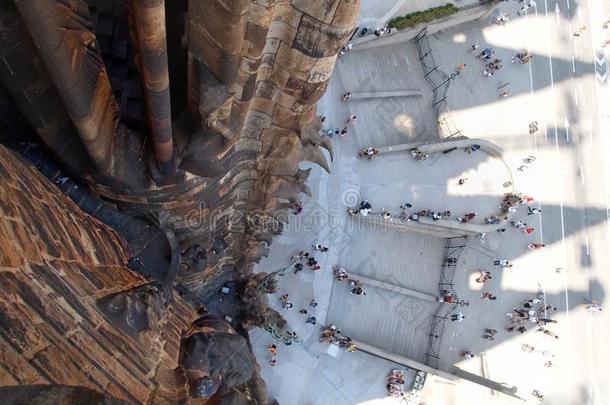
<point x="73" y="314"/>
<point x="320" y="10"/>
<point x="254" y="70"/>
<point x="318" y="39"/>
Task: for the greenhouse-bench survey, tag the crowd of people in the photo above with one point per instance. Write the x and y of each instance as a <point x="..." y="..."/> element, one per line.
<point x="356" y="286"/>
<point x="369" y="153"/>
<point x="396" y="383"/>
<point x="331" y="335"/>
<point x="531" y="314"/>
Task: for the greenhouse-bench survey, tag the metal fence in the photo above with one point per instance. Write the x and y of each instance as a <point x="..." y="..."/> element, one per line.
<point x="453" y="249"/>
<point x="439" y="81"/>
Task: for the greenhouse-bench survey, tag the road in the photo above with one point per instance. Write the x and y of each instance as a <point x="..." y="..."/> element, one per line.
<point x="581" y="123"/>
<point x="566" y="89"/>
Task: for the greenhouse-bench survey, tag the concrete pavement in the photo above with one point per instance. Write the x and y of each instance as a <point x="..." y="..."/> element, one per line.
<point x="562" y="91"/>
<point x="569" y="180"/>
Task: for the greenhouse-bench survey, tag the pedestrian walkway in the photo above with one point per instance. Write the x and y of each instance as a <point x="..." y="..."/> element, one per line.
<point x="381" y="120"/>
<point x="410" y="260"/>
<point x="401" y="322"/>
<point x="392" y="179"/>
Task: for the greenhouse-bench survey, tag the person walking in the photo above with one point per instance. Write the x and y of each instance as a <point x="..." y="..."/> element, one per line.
<point x="528" y="230"/>
<point x="488" y="296"/>
<point x="312" y="320"/>
<point x="593" y="306"/>
<point x="580" y="31"/>
<point x="487" y="53"/>
<point x="459" y="317"/>
<point x="533" y="246"/>
<point x="529" y="159"/>
<point x="526" y="7"/>
<point x="474" y="47"/>
<point x="536" y="394"/>
<point x="485" y="275"/>
<point x="533" y="127"/>
<point x="298" y="267"/>
<point x="459" y="68"/>
<point x="271" y="348"/>
<point x="351" y="119"/>
<point x="533" y="211"/>
<point x="313" y="303"/>
<point x="490" y="334"/>
<point x="466" y="354"/>
<point x="298" y="207"/>
<point x="346" y="96"/>
<point x="503" y="85"/>
<point x="501" y="262"/>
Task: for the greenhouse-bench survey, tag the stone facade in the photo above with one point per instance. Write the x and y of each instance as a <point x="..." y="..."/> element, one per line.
<point x="245" y="76"/>
<point x="253" y="71"/>
<point x="73" y="314"/>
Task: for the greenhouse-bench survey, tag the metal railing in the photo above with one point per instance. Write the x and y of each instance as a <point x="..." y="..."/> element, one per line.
<point x="442" y="312"/>
<point x="453" y="249"/>
<point x="439" y="81"/>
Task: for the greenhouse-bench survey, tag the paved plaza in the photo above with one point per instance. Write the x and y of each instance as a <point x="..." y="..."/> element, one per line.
<point x="568" y="180"/>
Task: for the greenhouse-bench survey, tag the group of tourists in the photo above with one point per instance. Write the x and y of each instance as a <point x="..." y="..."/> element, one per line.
<point x="356" y="286"/>
<point x="369" y="153"/>
<point x="331" y="335"/>
<point x="396" y="383"/>
<point x="418" y="155"/>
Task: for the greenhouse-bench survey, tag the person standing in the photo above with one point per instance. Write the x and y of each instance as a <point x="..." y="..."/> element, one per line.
<point x="271" y="348"/>
<point x="459" y="68"/>
<point x="593" y="306"/>
<point x="459" y="317"/>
